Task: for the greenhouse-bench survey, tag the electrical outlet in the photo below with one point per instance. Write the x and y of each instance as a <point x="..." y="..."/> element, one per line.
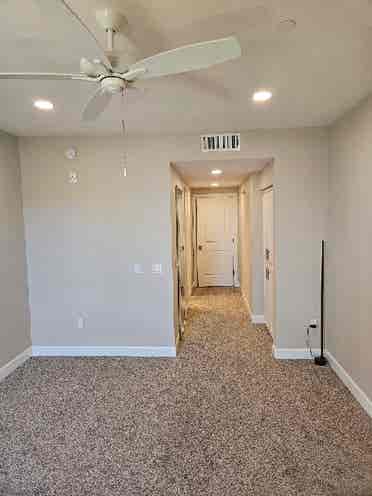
<point x="73" y="177"/>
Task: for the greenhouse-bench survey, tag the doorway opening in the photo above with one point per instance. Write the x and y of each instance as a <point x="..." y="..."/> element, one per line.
<point x="224" y="234"/>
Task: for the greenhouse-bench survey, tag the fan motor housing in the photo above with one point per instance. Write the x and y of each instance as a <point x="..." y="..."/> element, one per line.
<point x="113" y="85"/>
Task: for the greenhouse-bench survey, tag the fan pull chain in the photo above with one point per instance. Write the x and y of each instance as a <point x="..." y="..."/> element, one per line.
<point x="124" y="133"/>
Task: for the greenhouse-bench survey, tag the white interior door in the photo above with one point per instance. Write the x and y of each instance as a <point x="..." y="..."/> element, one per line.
<point x="268" y="247"/>
<point x="216" y="233"/>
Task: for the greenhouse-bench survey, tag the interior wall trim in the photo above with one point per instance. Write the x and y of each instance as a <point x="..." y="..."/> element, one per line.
<point x="109" y="351"/>
<point x="294" y="353"/>
<point x="258" y="319"/>
<point x="16" y="362"/>
<point x="349" y="382"/>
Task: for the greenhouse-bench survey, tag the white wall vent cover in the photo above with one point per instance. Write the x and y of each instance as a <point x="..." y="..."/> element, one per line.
<point x="220" y="142"/>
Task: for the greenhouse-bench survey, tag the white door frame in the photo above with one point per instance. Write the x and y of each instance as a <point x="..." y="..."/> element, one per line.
<point x="179" y="193"/>
<point x="235" y="195"/>
<point x="269" y="265"/>
<point x="194" y="265"/>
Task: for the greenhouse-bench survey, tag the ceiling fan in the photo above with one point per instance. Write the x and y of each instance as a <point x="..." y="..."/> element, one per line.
<point x="111" y="81"/>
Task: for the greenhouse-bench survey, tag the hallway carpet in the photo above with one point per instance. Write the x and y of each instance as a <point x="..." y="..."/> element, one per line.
<point x="223" y="419"/>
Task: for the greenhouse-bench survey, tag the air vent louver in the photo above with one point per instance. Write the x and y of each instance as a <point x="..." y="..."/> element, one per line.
<point x="220" y="142"/>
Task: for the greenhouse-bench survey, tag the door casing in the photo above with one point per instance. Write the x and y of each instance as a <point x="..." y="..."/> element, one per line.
<point x="268" y="256"/>
<point x="180" y="259"/>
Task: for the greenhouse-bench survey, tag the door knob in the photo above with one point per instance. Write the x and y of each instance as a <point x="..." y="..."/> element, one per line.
<point x="200" y="247"/>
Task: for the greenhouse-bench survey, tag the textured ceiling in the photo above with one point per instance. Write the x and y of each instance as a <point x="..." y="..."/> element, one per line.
<point x="316" y="72"/>
<point x="197" y="173"/>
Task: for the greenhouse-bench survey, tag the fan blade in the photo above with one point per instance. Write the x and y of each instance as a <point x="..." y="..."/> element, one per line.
<point x="47" y="76"/>
<point x="96" y="104"/>
<point x="45" y="6"/>
<point x="186" y="58"/>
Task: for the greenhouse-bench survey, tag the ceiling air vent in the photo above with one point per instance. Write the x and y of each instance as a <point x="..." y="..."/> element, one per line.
<point x="220" y="142"/>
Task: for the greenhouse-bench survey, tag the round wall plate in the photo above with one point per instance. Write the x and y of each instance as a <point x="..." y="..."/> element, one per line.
<point x="71" y="153"/>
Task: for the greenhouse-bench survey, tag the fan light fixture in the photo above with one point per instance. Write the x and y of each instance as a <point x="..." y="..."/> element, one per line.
<point x="262" y="96"/>
<point x="215" y="185"/>
<point x="111" y="81"/>
<point x="43" y="105"/>
<point x="216" y="172"/>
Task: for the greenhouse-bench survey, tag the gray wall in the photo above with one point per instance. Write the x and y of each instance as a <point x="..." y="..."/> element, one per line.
<point x="251" y="239"/>
<point x="15" y="325"/>
<point x="82" y="240"/>
<point x="244" y="247"/>
<point x="256" y="239"/>
<point x="266" y="177"/>
<point x="349" y="244"/>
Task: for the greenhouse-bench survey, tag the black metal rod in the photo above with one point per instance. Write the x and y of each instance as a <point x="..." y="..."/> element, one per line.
<point x="321" y="360"/>
<point x="322" y="304"/>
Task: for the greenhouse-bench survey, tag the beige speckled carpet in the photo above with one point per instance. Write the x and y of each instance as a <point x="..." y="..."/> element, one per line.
<point x="223" y="419"/>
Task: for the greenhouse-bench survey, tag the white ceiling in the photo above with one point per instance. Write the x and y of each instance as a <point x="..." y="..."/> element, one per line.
<point x="316" y="72"/>
<point x="197" y="173"/>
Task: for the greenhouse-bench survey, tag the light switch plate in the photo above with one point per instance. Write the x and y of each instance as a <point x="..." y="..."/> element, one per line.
<point x="156" y="269"/>
<point x="138" y="269"/>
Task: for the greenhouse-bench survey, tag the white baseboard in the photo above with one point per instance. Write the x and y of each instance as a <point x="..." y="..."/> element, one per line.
<point x="353" y="387"/>
<point x="17" y="361"/>
<point x="304" y="354"/>
<point x="258" y="319"/>
<point x="293" y="353"/>
<point x="109" y="351"/>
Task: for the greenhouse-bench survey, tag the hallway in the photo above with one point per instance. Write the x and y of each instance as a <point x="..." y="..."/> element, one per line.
<point x="224" y="418"/>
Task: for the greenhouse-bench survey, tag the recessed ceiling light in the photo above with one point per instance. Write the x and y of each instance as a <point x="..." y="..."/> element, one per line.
<point x="287" y="25"/>
<point x="43" y="104"/>
<point x="262" y="96"/>
<point x="215" y="185"/>
<point x="216" y="172"/>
